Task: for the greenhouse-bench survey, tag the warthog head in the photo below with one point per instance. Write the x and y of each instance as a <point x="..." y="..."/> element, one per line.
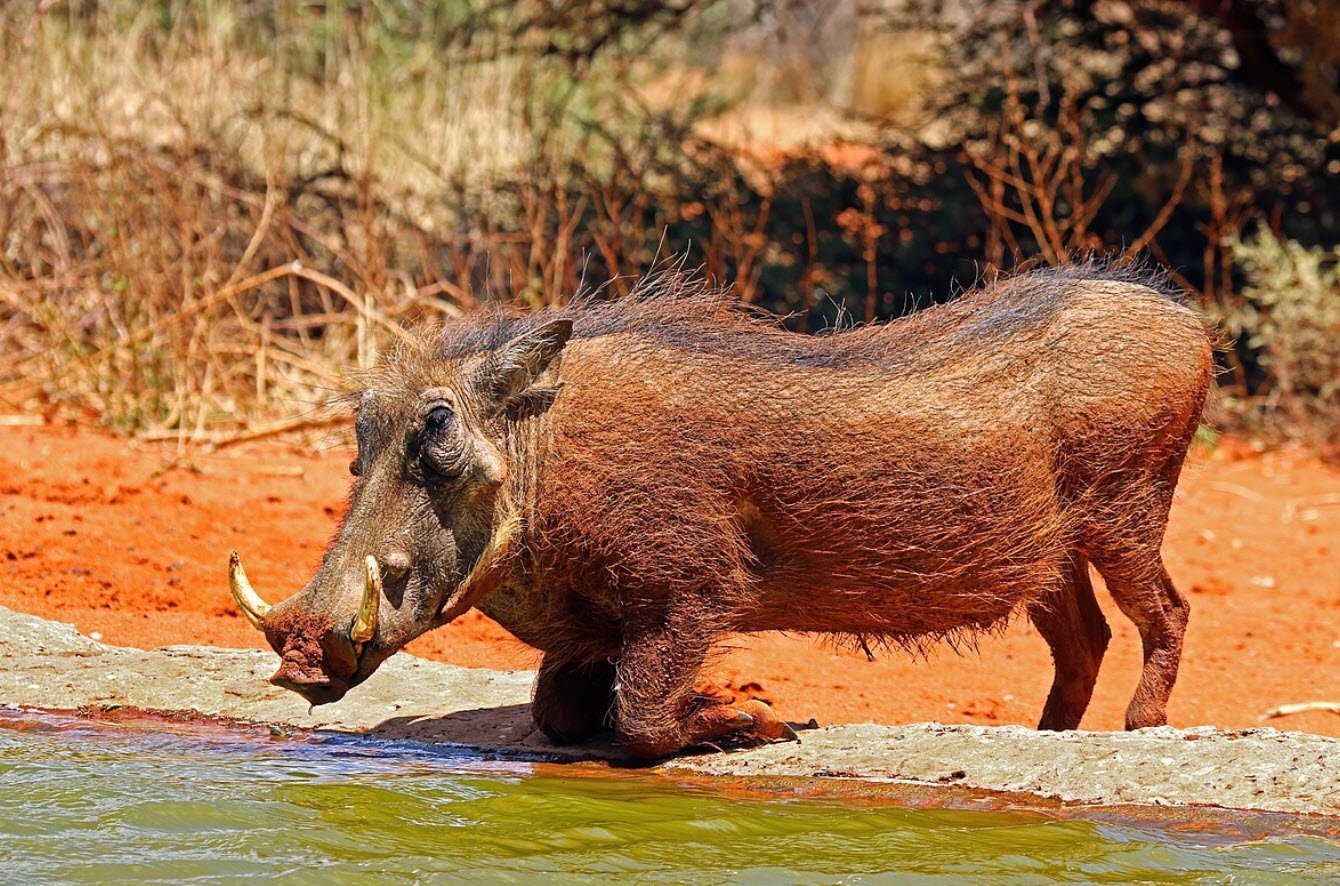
<point x="429" y="516"/>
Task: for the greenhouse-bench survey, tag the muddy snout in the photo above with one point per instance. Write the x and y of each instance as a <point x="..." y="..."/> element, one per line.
<point x="313" y="683"/>
<point x="316" y="661"/>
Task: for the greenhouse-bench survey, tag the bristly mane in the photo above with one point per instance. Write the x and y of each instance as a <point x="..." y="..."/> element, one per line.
<point x="681" y="310"/>
<point x="1141" y="271"/>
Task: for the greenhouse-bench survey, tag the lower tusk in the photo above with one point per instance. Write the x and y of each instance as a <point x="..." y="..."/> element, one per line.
<point x="365" y="625"/>
<point x="250" y="602"/>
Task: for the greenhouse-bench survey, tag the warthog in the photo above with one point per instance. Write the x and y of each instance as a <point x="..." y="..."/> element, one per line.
<point x="623" y="483"/>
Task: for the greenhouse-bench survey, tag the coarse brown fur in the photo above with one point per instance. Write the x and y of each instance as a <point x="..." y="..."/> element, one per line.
<point x="678" y="470"/>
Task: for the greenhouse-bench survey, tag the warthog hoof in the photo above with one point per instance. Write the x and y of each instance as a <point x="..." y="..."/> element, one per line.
<point x="767" y="725"/>
<point x="745" y="724"/>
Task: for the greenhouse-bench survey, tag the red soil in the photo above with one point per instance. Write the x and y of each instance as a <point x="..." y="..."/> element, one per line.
<point x="131" y="541"/>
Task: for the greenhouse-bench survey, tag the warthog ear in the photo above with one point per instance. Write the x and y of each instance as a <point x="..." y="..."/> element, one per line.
<point x="516" y="365"/>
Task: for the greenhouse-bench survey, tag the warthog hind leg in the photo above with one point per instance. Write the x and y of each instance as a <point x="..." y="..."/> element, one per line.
<point x="1073" y="626"/>
<point x="1145" y="593"/>
<point x="1128" y="556"/>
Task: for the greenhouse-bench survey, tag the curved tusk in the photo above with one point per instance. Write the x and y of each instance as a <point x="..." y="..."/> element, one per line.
<point x="250" y="602"/>
<point x="365" y="625"/>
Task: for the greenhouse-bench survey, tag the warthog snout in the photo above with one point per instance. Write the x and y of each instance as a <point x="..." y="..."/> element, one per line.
<point x="318" y="660"/>
<point x="317" y="693"/>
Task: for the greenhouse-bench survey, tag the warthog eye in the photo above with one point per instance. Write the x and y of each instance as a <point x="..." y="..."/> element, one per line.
<point x="440" y="448"/>
<point x="437" y="419"/>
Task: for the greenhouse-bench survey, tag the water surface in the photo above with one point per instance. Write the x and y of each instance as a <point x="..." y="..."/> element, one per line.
<point x="98" y="802"/>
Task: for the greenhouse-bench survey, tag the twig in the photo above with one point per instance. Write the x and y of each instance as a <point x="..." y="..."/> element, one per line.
<point x="1294" y="506"/>
<point x="1235" y="489"/>
<point x="1174" y="200"/>
<point x="1286" y="710"/>
<point x="220" y="439"/>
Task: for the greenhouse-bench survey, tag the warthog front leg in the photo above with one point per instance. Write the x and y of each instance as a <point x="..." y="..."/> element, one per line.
<point x="573" y="700"/>
<point x="658" y="711"/>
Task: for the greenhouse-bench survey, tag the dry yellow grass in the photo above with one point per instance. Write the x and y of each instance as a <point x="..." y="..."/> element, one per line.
<point x="200" y="232"/>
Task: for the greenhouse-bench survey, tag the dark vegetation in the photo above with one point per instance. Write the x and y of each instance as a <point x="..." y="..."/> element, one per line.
<point x="210" y="211"/>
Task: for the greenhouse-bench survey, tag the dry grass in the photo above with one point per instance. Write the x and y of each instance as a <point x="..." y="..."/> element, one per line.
<point x="203" y="228"/>
<point x="206" y="222"/>
<point x="198" y="234"/>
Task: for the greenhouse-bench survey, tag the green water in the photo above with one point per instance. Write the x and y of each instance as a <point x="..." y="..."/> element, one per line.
<point x="93" y="802"/>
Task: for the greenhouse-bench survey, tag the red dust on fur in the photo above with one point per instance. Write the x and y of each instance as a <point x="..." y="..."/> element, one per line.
<point x="311" y="658"/>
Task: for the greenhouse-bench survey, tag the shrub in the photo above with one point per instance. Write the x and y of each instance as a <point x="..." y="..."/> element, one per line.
<point x="1288" y="320"/>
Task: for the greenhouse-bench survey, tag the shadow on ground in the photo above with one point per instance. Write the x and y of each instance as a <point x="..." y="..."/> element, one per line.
<point x="507" y="725"/>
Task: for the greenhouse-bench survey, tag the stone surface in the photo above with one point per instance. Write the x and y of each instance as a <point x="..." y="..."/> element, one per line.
<point x="1260" y="769"/>
<point x="48" y="665"/>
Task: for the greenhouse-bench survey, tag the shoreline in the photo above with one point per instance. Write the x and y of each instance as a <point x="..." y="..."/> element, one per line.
<point x="48" y="665"/>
